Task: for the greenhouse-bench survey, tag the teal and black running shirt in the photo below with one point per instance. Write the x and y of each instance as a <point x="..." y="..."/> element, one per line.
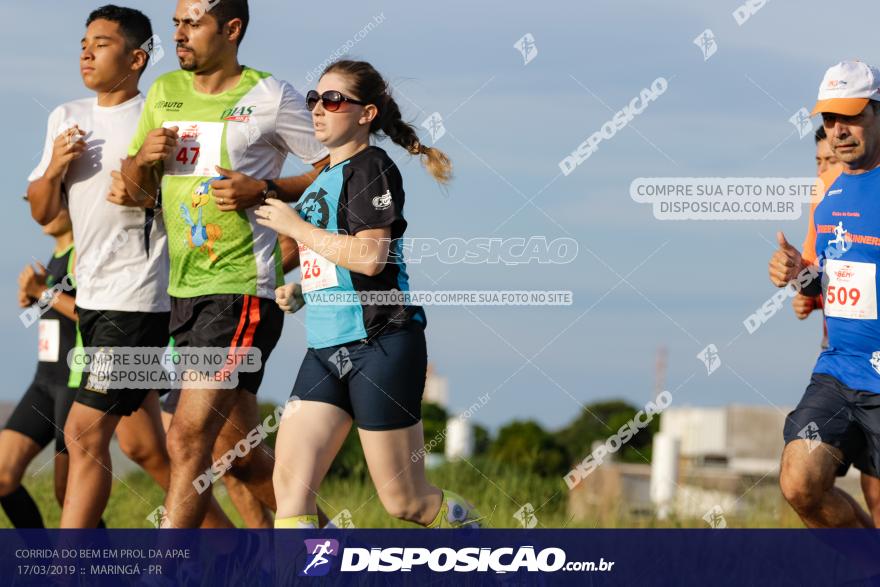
<point x="58" y="334"/>
<point x="361" y="193"/>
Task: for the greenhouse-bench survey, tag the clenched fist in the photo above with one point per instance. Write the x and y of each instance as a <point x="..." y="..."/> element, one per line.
<point x="68" y="146"/>
<point x="160" y="142"/>
<point x="289" y="297"/>
<point x="803" y="305"/>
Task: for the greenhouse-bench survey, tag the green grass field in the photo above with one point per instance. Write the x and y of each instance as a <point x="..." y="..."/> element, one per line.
<point x="499" y="492"/>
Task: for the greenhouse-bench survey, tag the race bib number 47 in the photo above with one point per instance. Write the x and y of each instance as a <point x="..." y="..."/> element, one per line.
<point x="317" y="272"/>
<point x="198" y="148"/>
<point x="852" y="290"/>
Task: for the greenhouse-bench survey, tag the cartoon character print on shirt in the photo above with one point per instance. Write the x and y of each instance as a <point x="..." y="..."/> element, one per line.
<point x="314" y="210"/>
<point x="201" y="235"/>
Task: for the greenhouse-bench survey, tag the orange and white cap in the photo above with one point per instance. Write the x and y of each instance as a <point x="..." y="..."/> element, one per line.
<point x="847" y="87"/>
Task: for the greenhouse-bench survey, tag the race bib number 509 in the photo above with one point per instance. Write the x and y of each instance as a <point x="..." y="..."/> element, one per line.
<point x="852" y="290"/>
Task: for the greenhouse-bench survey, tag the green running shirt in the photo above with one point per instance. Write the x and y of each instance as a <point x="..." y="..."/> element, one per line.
<point x="250" y="129"/>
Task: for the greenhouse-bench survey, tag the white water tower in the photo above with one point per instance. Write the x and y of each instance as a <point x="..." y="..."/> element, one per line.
<point x="459" y="439"/>
<point x="664" y="473"/>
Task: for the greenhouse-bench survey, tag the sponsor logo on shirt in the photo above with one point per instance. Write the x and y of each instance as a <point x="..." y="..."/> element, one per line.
<point x="382" y="202"/>
<point x="836" y="192"/>
<point x="168" y="106"/>
<point x="845" y="273"/>
<point x="845" y="239"/>
<point x="238" y="114"/>
<point x="190" y="133"/>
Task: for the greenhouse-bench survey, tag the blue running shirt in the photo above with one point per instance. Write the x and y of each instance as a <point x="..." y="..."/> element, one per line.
<point x="848" y="247"/>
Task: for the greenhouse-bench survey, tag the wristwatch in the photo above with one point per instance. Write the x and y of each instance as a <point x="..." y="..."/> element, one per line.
<point x="271" y="190"/>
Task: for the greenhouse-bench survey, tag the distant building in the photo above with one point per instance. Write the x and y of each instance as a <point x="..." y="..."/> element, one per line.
<point x="743" y="439"/>
<point x="436" y="389"/>
<point x="728" y="464"/>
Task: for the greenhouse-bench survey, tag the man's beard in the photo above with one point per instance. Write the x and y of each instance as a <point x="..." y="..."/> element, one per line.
<point x="189" y="62"/>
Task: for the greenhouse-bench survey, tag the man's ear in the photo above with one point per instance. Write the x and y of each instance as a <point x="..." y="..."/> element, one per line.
<point x="235" y="27"/>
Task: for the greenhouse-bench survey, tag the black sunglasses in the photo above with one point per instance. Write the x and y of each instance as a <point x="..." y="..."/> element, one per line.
<point x="331" y="100"/>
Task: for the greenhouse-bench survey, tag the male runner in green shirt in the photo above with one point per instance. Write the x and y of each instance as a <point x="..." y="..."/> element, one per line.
<point x="214" y="135"/>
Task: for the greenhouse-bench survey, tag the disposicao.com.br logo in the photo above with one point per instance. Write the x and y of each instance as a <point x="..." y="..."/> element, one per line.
<point x="441" y="560"/>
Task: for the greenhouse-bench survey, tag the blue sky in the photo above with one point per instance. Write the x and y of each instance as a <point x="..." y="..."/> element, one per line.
<point x="686" y="284"/>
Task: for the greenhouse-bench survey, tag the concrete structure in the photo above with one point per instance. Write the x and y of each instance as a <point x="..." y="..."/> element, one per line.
<point x="727" y="465"/>
<point x="745" y="439"/>
<point x="664" y="473"/>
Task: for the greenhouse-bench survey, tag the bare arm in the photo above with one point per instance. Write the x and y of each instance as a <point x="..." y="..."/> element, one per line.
<point x="365" y="252"/>
<point x="44" y="194"/>
<point x="65" y="304"/>
<point x="134" y="185"/>
<point x="289" y="253"/>
<point x="142" y="173"/>
<point x="292" y="188"/>
<point x="237" y="191"/>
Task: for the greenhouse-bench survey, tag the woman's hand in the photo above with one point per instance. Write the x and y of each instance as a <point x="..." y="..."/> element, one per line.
<point x="278" y="216"/>
<point x="289" y="297"/>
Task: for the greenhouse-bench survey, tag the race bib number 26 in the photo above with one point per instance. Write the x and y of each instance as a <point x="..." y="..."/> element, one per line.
<point x="317" y="272"/>
<point x="852" y="290"/>
<point x="198" y="150"/>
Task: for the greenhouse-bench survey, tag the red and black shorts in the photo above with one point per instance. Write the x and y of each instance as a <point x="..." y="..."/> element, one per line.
<point x="230" y="321"/>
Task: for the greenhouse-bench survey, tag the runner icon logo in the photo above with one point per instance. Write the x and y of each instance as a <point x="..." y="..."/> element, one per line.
<point x="810" y="433"/>
<point x="526" y="516"/>
<point x="802" y="122"/>
<point x="342" y="360"/>
<point x="710" y="357"/>
<point x="527" y="48"/>
<point x="343" y="520"/>
<point x="157" y="516"/>
<point x="154" y="49"/>
<point x="707" y="44"/>
<point x="715" y="518"/>
<point x="434" y="125"/>
<point x="839" y="241"/>
<point x="318" y="552"/>
<point x="875" y="361"/>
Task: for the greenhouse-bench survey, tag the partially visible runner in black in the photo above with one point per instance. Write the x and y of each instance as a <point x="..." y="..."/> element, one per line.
<point x="40" y="414"/>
